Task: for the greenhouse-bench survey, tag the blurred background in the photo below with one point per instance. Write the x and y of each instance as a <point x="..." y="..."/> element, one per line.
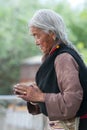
<point x="19" y="57"/>
<point x="15" y="42"/>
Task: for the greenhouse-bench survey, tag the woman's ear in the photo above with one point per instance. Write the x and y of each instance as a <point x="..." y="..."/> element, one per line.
<point x="52" y="35"/>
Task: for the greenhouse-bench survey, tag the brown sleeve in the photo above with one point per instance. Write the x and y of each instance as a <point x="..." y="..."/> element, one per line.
<point x="65" y="104"/>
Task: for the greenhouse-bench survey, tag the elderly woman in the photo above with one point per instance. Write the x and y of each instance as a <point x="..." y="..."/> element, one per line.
<point x="57" y="91"/>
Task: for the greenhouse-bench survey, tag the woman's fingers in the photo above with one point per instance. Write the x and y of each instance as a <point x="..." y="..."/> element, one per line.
<point x="20" y="92"/>
<point x="20" y="89"/>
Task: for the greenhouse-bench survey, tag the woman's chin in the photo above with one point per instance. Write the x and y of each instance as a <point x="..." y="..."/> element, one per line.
<point x="44" y="50"/>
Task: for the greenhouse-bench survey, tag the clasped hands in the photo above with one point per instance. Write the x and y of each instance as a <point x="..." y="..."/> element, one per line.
<point x="29" y="92"/>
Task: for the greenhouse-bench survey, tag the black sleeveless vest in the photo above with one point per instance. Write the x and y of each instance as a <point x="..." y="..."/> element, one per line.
<point x="47" y="81"/>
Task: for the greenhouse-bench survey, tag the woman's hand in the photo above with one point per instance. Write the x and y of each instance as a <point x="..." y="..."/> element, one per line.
<point x="29" y="93"/>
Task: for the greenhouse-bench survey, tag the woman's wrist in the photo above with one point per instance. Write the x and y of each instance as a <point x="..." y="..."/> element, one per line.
<point x="42" y="97"/>
<point x="33" y="103"/>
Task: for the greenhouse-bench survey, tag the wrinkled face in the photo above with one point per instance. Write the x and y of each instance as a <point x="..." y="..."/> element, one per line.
<point x="44" y="40"/>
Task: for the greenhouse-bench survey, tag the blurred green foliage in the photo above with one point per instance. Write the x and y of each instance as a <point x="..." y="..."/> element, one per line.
<point x="16" y="43"/>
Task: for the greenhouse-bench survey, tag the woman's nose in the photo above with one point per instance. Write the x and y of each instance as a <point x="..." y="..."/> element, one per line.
<point x="37" y="41"/>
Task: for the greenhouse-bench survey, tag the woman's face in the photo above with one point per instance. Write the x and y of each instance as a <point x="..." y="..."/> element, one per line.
<point x="44" y="40"/>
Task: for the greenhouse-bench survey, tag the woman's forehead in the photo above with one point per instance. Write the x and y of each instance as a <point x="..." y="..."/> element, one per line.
<point x="36" y="30"/>
<point x="33" y="28"/>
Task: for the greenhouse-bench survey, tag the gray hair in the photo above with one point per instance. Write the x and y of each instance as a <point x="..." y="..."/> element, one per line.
<point x="48" y="20"/>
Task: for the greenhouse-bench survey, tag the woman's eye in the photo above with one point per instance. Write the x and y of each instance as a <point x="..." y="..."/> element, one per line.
<point x="37" y="36"/>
